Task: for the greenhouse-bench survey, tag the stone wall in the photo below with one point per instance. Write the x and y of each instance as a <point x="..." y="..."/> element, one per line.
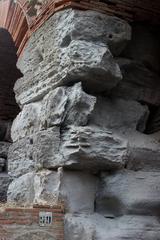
<point x="90" y="84"/>
<point x="23" y="223"/>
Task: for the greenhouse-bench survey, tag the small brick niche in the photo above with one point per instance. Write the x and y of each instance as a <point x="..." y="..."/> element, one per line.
<point x="32" y="223"/>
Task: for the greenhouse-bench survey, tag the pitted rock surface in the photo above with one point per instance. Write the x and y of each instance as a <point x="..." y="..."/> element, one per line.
<point x="87" y="99"/>
<point x="72" y="50"/>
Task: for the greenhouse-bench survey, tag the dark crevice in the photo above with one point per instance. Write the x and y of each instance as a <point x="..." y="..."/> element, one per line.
<point x="153" y="123"/>
<point x="9" y="73"/>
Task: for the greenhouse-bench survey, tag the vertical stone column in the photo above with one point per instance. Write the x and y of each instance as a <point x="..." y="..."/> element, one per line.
<point x="79" y="137"/>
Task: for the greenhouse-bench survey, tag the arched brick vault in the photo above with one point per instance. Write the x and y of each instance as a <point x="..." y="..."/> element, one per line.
<point x="16" y="17"/>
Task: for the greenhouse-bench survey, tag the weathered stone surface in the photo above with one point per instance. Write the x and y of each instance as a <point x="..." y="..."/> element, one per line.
<point x="27" y="122"/>
<point x="5" y="180"/>
<point x="64" y="138"/>
<point x="53" y="108"/>
<point x="79" y="107"/>
<point x="62" y="105"/>
<point x="4" y="147"/>
<point x="66" y="106"/>
<point x="117" y="114"/>
<point x="80" y="149"/>
<point x="72" y="50"/>
<point x="47" y="187"/>
<point x="79" y="228"/>
<point x="21" y="190"/>
<point x="129" y="192"/>
<point x="76" y="189"/>
<point x="90" y="63"/>
<point x="88" y="227"/>
<point x="97" y="27"/>
<point x="46" y="146"/>
<point x="36" y="151"/>
<point x="139" y="83"/>
<point x="20" y="157"/>
<point x="77" y="147"/>
<point x="144" y="151"/>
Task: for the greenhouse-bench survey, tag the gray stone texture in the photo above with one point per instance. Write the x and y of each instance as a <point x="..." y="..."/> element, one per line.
<point x="88" y="227"/>
<point x="62" y="105"/>
<point x="5" y="180"/>
<point x="92" y="148"/>
<point x="127" y="192"/>
<point x="20" y="157"/>
<point x="75" y="148"/>
<point x="117" y="114"/>
<point x="72" y="50"/>
<point x="76" y="189"/>
<point x="86" y="98"/>
<point x="144" y="151"/>
<point x="21" y="190"/>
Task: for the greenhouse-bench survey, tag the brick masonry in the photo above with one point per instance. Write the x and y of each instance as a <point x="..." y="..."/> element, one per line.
<point x="23" y="224"/>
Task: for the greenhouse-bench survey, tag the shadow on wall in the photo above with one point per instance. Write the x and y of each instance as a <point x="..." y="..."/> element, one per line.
<point x="9" y="73"/>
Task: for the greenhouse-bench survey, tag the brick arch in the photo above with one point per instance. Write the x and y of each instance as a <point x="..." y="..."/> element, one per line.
<point x="35" y="235"/>
<point x="13" y="19"/>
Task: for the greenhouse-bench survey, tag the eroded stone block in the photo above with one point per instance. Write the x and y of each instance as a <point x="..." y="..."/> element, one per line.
<point x="72" y="50"/>
<point x="129" y="192"/>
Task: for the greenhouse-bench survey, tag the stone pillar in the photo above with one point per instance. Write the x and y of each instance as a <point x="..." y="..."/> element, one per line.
<point x="85" y="98"/>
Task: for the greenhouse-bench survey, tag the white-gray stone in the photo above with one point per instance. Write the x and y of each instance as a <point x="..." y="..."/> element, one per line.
<point x="27" y="122"/>
<point x="21" y="190"/>
<point x="79" y="107"/>
<point x="46" y="145"/>
<point x="63" y="105"/>
<point x="144" y="151"/>
<point x="77" y="190"/>
<point x="91" y="148"/>
<point x="129" y="192"/>
<point x="97" y="27"/>
<point x="89" y="227"/>
<point x="72" y="50"/>
<point x="119" y="115"/>
<point x="53" y="108"/>
<point x="20" y="157"/>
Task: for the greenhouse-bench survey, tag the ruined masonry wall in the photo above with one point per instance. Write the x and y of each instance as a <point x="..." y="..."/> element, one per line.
<point x="89" y="93"/>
